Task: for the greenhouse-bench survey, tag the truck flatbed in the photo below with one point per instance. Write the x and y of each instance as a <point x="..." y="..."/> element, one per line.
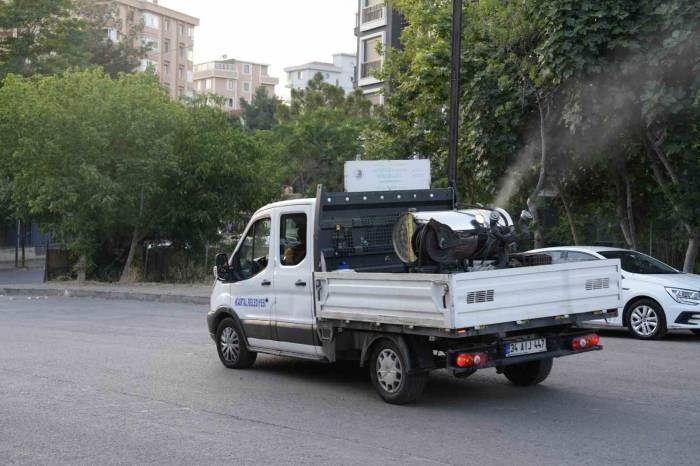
<point x="470" y="300"/>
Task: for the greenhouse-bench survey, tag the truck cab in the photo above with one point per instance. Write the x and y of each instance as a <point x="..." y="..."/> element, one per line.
<point x="269" y="286"/>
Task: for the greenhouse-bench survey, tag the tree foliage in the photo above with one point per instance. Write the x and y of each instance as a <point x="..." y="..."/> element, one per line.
<point x="594" y="101"/>
<point x="93" y="158"/>
<point x="318" y="132"/>
<point x="260" y="113"/>
<point x="50" y="36"/>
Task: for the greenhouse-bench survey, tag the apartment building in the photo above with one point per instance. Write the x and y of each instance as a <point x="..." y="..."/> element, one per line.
<point x="378" y="26"/>
<point x="341" y="72"/>
<point x="233" y="79"/>
<point x="170" y="36"/>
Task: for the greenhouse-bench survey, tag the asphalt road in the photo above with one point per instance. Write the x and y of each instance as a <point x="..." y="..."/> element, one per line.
<point x="122" y="382"/>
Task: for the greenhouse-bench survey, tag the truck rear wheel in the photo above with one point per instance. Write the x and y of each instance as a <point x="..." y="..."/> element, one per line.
<point x="390" y="375"/>
<point x="528" y="373"/>
<point x="231" y="346"/>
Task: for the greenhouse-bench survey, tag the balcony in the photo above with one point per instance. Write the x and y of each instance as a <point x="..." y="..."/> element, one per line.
<point x="368" y="68"/>
<point x="373" y="13"/>
<point x="269" y="80"/>
<point x="372" y="17"/>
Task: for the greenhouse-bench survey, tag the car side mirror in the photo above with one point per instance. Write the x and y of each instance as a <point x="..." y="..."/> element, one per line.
<point x="221" y="268"/>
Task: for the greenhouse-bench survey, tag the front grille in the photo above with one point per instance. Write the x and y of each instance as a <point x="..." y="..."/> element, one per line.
<point x="481" y="296"/>
<point x="597" y="283"/>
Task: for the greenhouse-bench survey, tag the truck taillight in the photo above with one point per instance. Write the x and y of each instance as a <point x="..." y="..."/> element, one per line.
<point x="585" y="341"/>
<point x="471" y="359"/>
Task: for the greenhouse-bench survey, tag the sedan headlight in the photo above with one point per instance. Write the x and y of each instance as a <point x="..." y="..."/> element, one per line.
<point x="684" y="296"/>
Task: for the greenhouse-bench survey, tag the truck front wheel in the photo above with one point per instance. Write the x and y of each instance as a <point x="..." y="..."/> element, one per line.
<point x="390" y="374"/>
<point x="232" y="347"/>
<point x="528" y="373"/>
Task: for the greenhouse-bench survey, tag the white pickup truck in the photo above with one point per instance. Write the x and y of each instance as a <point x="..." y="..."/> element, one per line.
<point x="319" y="279"/>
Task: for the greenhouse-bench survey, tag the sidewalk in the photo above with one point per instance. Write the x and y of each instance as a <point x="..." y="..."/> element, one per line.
<point x="190" y="294"/>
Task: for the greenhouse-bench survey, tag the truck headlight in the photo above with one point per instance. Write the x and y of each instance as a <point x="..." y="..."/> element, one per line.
<point x="684" y="296"/>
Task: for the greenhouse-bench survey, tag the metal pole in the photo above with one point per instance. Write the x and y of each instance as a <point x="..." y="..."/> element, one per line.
<point x="454" y="92"/>
<point x="24" y="234"/>
<point x="19" y="226"/>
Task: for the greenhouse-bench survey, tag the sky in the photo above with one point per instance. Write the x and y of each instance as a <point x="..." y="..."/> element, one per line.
<point x="280" y="33"/>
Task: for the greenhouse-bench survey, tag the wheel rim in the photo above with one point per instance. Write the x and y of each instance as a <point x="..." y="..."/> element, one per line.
<point x="389" y="370"/>
<point x="230" y="344"/>
<point x="644" y="320"/>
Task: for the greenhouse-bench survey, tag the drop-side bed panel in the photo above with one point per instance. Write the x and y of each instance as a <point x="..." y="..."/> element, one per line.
<point x="470" y="299"/>
<point x="392" y="298"/>
<point x="497" y="296"/>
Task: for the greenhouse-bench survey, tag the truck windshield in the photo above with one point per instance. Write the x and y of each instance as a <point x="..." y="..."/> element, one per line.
<point x="635" y="262"/>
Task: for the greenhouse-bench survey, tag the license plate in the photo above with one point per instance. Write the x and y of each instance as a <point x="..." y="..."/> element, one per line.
<point x="538" y="345"/>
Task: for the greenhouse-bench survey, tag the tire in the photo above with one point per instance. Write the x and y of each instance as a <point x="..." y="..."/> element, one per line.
<point x="530" y="373"/>
<point x="646" y="320"/>
<point x="696" y="331"/>
<point x="231" y="346"/>
<point x="388" y="369"/>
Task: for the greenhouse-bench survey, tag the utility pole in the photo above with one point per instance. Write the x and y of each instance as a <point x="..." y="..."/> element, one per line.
<point x="455" y="92"/>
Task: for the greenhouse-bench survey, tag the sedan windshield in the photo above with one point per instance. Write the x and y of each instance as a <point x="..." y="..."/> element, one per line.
<point x="635" y="262"/>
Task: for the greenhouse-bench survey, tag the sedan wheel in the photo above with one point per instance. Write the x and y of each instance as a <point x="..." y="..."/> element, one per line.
<point x="646" y="320"/>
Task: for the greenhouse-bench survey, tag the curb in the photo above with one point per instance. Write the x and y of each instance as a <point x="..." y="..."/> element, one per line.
<point x="104" y="294"/>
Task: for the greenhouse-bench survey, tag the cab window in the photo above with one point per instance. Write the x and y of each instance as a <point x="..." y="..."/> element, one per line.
<point x="556" y="256"/>
<point x="253" y="255"/>
<point x="292" y="239"/>
<point x="575" y="256"/>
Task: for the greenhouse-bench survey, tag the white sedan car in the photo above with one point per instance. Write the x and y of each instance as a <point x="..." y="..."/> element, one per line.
<point x="656" y="296"/>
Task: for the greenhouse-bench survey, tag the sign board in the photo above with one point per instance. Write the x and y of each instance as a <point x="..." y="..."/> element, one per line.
<point x="386" y="175"/>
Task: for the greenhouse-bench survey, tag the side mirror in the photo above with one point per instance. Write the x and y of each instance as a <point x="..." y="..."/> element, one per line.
<point x="221" y="269"/>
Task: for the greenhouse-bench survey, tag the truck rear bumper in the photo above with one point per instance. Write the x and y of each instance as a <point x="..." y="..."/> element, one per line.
<point x="557" y="346"/>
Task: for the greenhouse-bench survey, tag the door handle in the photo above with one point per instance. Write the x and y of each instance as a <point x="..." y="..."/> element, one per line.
<point x="300" y="283"/>
<point x="266" y="283"/>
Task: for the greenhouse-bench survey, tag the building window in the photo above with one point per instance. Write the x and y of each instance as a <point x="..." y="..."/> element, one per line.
<point x="166" y="69"/>
<point x="166" y="46"/>
<point x="371" y="58"/>
<point x="207" y="84"/>
<point x="246" y="86"/>
<point x="189" y="76"/>
<point x="189" y="54"/>
<point x="181" y="30"/>
<point x="230" y="103"/>
<point x="150" y="42"/>
<point x="166" y="25"/>
<point x="146" y="64"/>
<point x="182" y="52"/>
<point x="181" y="73"/>
<point x="150" y="20"/>
<point x="246" y="68"/>
<point x="328" y="76"/>
<point x="372" y="10"/>
<point x="231" y="85"/>
<point x="300" y="75"/>
<point x="113" y="34"/>
<point x="190" y="31"/>
<point x="181" y="91"/>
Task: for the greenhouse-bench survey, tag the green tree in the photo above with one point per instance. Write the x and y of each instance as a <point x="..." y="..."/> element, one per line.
<point x="50" y="36"/>
<point x="94" y="159"/>
<point x="260" y="112"/>
<point x="319" y="131"/>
